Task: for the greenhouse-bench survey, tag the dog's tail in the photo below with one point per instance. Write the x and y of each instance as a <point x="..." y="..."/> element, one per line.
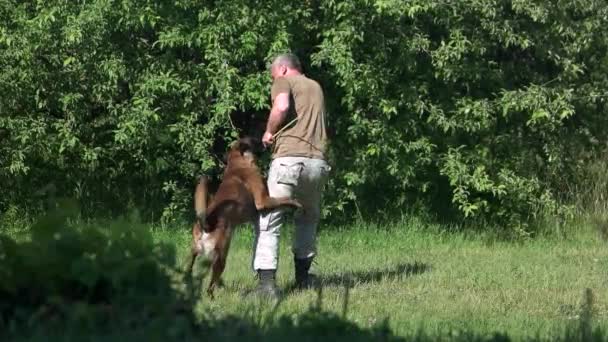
<point x="200" y="201"/>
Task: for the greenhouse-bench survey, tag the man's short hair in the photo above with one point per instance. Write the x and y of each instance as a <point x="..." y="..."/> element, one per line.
<point x="289" y="60"/>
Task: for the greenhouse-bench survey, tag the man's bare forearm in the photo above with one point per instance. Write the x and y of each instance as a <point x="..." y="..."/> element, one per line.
<point x="275" y="120"/>
<point x="277" y="113"/>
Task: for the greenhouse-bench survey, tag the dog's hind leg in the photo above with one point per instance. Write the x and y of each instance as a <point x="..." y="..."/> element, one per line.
<point x="217" y="269"/>
<point x="197" y="232"/>
<point x="190" y="261"/>
<point x="219" y="260"/>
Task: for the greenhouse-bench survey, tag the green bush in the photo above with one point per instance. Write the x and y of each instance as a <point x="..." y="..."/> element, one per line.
<point x="473" y="109"/>
<point x="62" y="271"/>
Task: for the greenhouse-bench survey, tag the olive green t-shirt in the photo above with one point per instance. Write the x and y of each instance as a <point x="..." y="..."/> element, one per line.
<point x="306" y="137"/>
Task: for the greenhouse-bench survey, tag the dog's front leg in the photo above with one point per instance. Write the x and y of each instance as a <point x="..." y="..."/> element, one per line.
<point x="263" y="201"/>
<point x="269" y="203"/>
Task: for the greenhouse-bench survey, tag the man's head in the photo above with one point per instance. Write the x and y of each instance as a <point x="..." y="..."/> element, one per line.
<point x="284" y="65"/>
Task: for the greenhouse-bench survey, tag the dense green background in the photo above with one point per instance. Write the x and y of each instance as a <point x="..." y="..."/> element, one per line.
<point x="477" y="109"/>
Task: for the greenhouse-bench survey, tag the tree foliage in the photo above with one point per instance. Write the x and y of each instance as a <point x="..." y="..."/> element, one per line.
<point x="476" y="109"/>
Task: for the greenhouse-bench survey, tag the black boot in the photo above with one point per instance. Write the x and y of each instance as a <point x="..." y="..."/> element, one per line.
<point x="302" y="266"/>
<point x="267" y="284"/>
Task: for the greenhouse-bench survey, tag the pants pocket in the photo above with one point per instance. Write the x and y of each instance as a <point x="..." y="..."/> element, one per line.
<point x="325" y="170"/>
<point x="289" y="174"/>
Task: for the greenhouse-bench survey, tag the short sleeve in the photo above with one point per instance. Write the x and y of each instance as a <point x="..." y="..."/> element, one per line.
<point x="280" y="85"/>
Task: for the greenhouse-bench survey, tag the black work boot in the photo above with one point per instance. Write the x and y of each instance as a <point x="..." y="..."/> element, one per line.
<point x="303" y="279"/>
<point x="267" y="285"/>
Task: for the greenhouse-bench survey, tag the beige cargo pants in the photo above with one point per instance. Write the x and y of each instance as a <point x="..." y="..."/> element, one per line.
<point x="300" y="178"/>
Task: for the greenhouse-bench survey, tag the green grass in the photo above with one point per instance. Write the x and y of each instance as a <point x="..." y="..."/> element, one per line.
<point x="419" y="279"/>
<point x="409" y="280"/>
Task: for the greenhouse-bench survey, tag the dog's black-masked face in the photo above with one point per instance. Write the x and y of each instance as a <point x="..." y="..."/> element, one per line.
<point x="251" y="145"/>
<point x="247" y="147"/>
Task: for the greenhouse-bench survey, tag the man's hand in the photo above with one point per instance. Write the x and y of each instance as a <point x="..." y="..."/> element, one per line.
<point x="267" y="139"/>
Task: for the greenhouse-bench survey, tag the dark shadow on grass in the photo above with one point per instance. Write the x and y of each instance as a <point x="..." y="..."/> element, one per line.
<point x="371" y="276"/>
<point x="350" y="279"/>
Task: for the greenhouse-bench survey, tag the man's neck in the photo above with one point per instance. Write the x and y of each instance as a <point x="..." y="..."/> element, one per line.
<point x="292" y="72"/>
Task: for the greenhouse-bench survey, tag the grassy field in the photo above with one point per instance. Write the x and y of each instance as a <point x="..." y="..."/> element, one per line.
<point x="419" y="279"/>
<point x="401" y="282"/>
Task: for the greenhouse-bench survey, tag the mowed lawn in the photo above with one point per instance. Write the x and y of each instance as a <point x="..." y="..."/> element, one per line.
<point x="420" y="279"/>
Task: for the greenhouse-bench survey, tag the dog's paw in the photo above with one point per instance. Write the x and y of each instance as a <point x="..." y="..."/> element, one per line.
<point x="210" y="293"/>
<point x="300" y="211"/>
<point x="299" y="208"/>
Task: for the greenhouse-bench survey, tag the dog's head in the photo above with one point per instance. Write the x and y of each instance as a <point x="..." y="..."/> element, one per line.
<point x="247" y="147"/>
<point x="249" y="144"/>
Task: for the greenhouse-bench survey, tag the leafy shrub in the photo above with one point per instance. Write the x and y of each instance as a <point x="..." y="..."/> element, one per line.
<point x="61" y="268"/>
<point x="476" y="109"/>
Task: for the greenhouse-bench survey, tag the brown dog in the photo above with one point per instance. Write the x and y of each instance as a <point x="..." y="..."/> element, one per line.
<point x="239" y="199"/>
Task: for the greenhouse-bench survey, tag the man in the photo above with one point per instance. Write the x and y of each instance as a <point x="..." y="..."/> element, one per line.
<point x="298" y="169"/>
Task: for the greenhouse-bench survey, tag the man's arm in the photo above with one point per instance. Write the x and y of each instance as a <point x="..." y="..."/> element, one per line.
<point x="280" y="106"/>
